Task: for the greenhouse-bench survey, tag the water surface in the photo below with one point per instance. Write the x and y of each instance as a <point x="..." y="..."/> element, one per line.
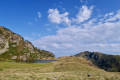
<point x="43" y="61"/>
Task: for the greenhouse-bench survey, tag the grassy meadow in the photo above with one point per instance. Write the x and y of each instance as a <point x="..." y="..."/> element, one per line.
<point x="66" y="68"/>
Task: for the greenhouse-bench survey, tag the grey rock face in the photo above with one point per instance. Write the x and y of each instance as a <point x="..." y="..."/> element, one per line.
<point x="3" y="44"/>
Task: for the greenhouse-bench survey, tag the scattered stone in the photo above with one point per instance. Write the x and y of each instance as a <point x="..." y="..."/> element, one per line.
<point x="89" y="75"/>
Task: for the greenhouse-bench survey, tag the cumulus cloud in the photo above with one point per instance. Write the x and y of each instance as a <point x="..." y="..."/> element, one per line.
<point x="83" y="15"/>
<point x="101" y="37"/>
<point x="39" y="15"/>
<point x="92" y="35"/>
<point x="55" y="17"/>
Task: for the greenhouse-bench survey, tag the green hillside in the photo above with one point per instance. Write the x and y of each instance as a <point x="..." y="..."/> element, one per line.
<point x="14" y="47"/>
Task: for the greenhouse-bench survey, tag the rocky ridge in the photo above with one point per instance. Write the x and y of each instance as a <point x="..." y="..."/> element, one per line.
<point x="107" y="62"/>
<point x="13" y="46"/>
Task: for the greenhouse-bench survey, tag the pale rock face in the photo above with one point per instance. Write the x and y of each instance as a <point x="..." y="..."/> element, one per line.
<point x="24" y="58"/>
<point x="14" y="57"/>
<point x="3" y="44"/>
<point x="30" y="46"/>
<point x="14" y="38"/>
<point x="2" y="41"/>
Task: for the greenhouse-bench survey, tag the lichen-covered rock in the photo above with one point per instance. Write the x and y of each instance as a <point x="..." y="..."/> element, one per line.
<point x="2" y="41"/>
<point x="13" y="46"/>
<point x="30" y="46"/>
<point x="3" y="44"/>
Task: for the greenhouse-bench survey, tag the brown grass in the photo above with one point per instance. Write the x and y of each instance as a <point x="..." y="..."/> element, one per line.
<point x="67" y="68"/>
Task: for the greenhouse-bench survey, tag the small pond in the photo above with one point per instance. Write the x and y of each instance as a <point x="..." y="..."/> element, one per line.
<point x="43" y="61"/>
<point x="35" y="61"/>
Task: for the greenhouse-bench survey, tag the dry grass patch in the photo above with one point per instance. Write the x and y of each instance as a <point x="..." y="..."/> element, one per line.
<point x="67" y="68"/>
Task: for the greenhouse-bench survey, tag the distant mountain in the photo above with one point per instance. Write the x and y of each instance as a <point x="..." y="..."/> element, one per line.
<point x="14" y="47"/>
<point x="107" y="62"/>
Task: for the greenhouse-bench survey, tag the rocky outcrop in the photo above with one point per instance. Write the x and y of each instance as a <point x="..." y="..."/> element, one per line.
<point x="13" y="46"/>
<point x="3" y="44"/>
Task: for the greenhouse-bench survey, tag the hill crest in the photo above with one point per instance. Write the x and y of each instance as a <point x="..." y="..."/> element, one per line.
<point x="104" y="61"/>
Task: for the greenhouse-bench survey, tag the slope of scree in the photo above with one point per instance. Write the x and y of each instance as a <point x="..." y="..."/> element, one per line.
<point x="14" y="47"/>
<point x="107" y="62"/>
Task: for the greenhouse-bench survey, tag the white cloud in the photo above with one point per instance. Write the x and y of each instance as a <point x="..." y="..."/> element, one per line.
<point x="115" y="17"/>
<point x="101" y="37"/>
<point x="55" y="17"/>
<point x="39" y="15"/>
<point x="109" y="14"/>
<point x="83" y="15"/>
<point x="92" y="35"/>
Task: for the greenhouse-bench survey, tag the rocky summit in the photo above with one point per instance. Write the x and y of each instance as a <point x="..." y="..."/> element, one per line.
<point x="14" y="47"/>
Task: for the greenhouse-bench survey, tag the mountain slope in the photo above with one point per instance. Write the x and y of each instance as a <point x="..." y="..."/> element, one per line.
<point x="13" y="46"/>
<point x="104" y="61"/>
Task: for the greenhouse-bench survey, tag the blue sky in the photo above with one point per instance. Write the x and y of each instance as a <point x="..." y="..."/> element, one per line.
<point x="65" y="27"/>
